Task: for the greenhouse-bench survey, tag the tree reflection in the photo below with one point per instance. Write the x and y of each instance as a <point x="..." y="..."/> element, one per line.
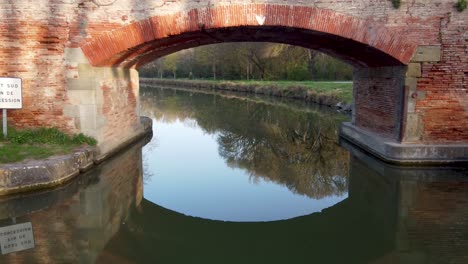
<point x="292" y="147"/>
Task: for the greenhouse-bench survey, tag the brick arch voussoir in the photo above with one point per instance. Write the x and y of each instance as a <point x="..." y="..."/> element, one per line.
<point x="113" y="47"/>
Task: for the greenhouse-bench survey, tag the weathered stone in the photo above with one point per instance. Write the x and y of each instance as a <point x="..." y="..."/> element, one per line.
<point x="411" y="104"/>
<point x="411" y="83"/>
<point x="39" y="174"/>
<point x="414" y="128"/>
<point x="427" y="54"/>
<point x="414" y="70"/>
<point x="408" y="154"/>
<point x="45" y="173"/>
<point x="75" y="56"/>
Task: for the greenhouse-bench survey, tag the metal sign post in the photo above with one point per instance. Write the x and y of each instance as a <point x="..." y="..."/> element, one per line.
<point x="5" y="131"/>
<point x="10" y="98"/>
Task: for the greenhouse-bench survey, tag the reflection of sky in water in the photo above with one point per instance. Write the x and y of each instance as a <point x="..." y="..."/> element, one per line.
<point x="189" y="176"/>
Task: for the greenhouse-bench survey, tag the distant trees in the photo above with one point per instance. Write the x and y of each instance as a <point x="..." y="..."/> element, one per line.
<point x="171" y="62"/>
<point x="249" y="60"/>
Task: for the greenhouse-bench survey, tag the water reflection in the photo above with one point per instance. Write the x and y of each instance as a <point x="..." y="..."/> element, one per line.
<point x="243" y="160"/>
<point x="392" y="215"/>
<point x="73" y="223"/>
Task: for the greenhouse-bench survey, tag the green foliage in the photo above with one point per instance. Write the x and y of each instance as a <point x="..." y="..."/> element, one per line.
<point x="17" y="152"/>
<point x="249" y="61"/>
<point x="298" y="74"/>
<point x="48" y="136"/>
<point x="171" y="63"/>
<point x="461" y="5"/>
<point x="39" y="143"/>
<point x="396" y="3"/>
<point x="328" y="93"/>
<point x="83" y="139"/>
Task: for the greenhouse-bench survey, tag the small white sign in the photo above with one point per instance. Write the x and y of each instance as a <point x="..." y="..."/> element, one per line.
<point x="16" y="238"/>
<point x="260" y="19"/>
<point x="10" y="93"/>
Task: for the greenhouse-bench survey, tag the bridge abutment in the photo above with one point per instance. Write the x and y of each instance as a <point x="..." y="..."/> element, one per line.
<point x="104" y="101"/>
<point x="391" y="117"/>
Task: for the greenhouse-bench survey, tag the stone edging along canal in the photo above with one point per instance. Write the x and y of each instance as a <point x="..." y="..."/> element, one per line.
<point x="293" y="92"/>
<point x="55" y="170"/>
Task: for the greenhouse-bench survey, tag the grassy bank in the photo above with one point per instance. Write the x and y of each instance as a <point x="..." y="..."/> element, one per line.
<point x="327" y="93"/>
<point x="38" y="144"/>
<point x="342" y="90"/>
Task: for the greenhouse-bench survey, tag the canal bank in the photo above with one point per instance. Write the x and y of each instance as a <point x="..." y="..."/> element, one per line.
<point x="298" y="92"/>
<point x="55" y="170"/>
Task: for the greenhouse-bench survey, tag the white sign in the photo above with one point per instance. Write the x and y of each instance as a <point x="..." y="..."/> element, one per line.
<point x="16" y="238"/>
<point x="10" y="93"/>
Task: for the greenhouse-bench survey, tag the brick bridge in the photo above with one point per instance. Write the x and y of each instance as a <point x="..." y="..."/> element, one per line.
<point x="78" y="60"/>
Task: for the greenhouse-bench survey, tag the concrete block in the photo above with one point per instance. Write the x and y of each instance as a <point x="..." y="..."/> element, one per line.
<point x="404" y="152"/>
<point x="75" y="56"/>
<point x="427" y="54"/>
<point x="414" y="127"/>
<point x="38" y="174"/>
<point x="74" y="112"/>
<point x="414" y="70"/>
<point x="87" y="72"/>
<point x="411" y="107"/>
<point x="82" y="97"/>
<point x="87" y="117"/>
<point x="81" y="83"/>
<point x="71" y="110"/>
<point x="411" y="83"/>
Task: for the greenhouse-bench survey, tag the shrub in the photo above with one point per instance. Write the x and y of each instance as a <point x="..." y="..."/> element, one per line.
<point x="461" y="5"/>
<point x="396" y="3"/>
<point x="51" y="136"/>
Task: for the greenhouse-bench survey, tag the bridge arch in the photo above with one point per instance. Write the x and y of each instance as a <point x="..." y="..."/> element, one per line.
<point x="400" y="75"/>
<point x="379" y="53"/>
<point x="357" y="41"/>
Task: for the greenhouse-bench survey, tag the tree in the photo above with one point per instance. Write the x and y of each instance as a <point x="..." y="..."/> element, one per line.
<point x="171" y="62"/>
<point x="250" y="60"/>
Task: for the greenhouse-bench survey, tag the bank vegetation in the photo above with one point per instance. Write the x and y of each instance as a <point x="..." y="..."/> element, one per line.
<point x="39" y="143"/>
<point x="260" y="68"/>
<point x="249" y="61"/>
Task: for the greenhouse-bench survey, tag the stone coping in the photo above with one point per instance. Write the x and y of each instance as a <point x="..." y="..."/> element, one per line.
<point x="55" y="170"/>
<point x="405" y="154"/>
<point x="417" y="173"/>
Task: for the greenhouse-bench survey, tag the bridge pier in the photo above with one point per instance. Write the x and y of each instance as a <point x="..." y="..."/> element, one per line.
<point x="392" y="120"/>
<point x="104" y="101"/>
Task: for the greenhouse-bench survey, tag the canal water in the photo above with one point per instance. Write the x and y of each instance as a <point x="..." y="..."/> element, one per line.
<point x="230" y="178"/>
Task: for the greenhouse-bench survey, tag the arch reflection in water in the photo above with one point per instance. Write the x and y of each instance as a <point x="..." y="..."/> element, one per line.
<point x="224" y="158"/>
<point x="392" y="215"/>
